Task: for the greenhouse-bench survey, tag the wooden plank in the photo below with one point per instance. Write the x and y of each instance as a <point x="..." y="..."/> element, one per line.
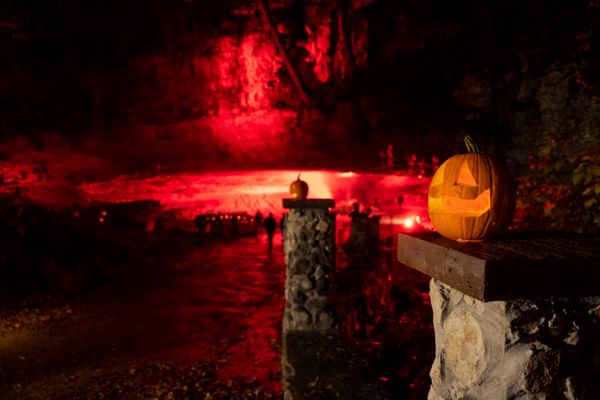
<point x="516" y="265"/>
<point x="455" y="268"/>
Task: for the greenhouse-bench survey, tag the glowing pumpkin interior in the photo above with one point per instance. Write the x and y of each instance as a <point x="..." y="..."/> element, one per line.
<point x="465" y="198"/>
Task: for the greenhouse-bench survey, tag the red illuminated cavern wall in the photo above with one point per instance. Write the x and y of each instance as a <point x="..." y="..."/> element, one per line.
<point x="197" y="84"/>
<point x="234" y="101"/>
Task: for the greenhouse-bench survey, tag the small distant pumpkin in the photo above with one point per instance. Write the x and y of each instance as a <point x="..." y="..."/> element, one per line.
<point x="299" y="189"/>
<point x="471" y="196"/>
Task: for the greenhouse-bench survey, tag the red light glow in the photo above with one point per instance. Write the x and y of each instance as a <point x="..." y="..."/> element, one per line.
<point x="237" y="191"/>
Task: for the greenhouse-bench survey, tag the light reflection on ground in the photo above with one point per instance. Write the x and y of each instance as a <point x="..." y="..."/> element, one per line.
<point x="220" y="302"/>
<point x="398" y="199"/>
<point x="233" y="302"/>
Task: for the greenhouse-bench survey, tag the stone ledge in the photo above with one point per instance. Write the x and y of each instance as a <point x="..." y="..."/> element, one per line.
<point x="309" y="203"/>
<point x="318" y="366"/>
<point x="516" y="265"/>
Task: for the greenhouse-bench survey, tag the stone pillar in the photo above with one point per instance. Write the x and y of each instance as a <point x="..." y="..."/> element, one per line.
<point x="514" y="318"/>
<point x="363" y="244"/>
<point x="309" y="245"/>
<point x="316" y="361"/>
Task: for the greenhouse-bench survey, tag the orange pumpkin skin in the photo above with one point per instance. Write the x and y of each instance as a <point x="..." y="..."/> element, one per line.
<point x="299" y="189"/>
<point x="471" y="197"/>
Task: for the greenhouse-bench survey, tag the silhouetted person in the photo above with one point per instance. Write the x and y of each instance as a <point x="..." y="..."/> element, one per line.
<point x="270" y="225"/>
<point x="355" y="211"/>
<point x="258" y="220"/>
<point x="400" y="200"/>
<point x="219" y="228"/>
<point x="234" y="225"/>
<point x="200" y="222"/>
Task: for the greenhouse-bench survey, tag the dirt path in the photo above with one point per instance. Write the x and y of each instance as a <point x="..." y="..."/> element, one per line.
<point x="222" y="305"/>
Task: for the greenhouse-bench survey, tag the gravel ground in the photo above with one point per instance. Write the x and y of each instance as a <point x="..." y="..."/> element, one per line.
<point x="204" y="324"/>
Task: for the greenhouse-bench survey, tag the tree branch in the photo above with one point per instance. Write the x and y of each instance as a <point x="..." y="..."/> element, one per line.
<point x="269" y="24"/>
<point x="345" y="35"/>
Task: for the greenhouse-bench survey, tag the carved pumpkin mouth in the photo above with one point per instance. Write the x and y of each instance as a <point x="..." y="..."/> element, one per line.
<point x="462" y="198"/>
<point x="453" y="205"/>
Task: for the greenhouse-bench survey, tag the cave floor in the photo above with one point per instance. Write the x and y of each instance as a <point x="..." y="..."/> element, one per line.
<point x="208" y="326"/>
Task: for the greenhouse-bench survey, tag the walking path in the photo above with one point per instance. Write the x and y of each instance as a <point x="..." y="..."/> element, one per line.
<point x="222" y="304"/>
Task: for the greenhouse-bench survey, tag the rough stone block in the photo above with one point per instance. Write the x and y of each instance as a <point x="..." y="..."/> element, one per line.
<point x="515" y="349"/>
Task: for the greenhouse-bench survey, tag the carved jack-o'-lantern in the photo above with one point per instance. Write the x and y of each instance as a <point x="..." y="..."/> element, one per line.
<point x="471" y="196"/>
<point x="299" y="189"/>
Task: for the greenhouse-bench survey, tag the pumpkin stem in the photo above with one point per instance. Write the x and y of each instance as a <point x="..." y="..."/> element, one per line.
<point x="298" y="178"/>
<point x="471" y="145"/>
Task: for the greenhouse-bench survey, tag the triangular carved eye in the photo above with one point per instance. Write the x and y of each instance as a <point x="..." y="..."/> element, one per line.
<point x="465" y="177"/>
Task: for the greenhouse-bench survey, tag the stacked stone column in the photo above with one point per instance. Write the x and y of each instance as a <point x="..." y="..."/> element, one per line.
<point x="309" y="244"/>
<point x="316" y="361"/>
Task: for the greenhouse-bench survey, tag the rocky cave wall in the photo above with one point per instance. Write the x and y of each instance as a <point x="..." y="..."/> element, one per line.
<point x="196" y="83"/>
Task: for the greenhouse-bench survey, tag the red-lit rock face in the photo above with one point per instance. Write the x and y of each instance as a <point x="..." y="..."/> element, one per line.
<point x="189" y="85"/>
<point x="200" y="84"/>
